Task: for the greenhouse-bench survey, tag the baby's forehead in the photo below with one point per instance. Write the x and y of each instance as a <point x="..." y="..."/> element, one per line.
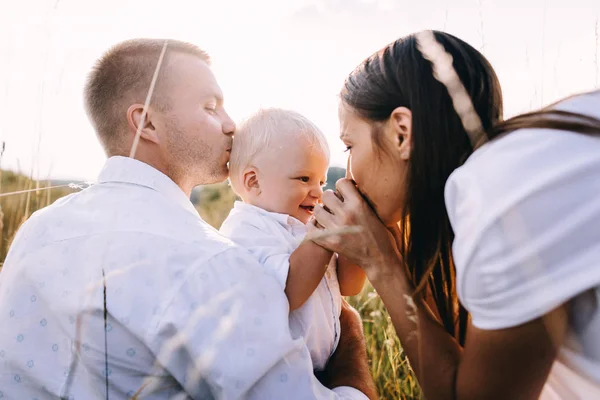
<point x="300" y="141"/>
<point x="278" y="134"/>
<point x="309" y="156"/>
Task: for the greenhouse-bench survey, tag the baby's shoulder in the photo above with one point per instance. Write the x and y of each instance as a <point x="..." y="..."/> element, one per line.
<point x="248" y="223"/>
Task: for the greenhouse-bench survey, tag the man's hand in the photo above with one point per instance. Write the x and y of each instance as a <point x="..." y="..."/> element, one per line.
<point x="349" y="366"/>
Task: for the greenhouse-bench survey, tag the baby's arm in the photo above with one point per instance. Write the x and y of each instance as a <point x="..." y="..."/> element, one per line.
<point x="350" y="276"/>
<point x="308" y="264"/>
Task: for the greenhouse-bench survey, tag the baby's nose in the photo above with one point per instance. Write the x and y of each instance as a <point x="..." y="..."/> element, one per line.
<point x="317" y="192"/>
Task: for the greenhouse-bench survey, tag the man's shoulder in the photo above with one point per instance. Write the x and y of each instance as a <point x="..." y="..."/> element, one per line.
<point x="154" y="224"/>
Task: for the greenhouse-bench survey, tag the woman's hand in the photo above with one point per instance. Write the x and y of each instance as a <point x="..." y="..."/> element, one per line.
<point x="372" y="247"/>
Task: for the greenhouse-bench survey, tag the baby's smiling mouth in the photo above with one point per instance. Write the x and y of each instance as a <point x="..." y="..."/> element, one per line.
<point x="308" y="208"/>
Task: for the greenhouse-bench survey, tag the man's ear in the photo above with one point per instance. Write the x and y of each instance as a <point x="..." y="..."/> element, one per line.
<point x="401" y="131"/>
<point x="250" y="181"/>
<point x="145" y="127"/>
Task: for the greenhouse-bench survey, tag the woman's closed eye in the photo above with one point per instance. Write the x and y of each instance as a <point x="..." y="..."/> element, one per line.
<point x="348" y="148"/>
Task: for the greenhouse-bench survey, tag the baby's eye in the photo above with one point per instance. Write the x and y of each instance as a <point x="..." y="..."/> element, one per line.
<point x="348" y="148"/>
<point x="304" y="179"/>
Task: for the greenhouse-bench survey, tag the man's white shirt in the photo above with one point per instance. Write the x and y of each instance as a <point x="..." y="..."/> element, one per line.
<point x="123" y="287"/>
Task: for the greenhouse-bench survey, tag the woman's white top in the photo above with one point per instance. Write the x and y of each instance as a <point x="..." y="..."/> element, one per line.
<point x="525" y="209"/>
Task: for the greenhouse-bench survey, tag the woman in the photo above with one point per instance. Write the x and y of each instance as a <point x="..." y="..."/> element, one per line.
<point x="487" y="258"/>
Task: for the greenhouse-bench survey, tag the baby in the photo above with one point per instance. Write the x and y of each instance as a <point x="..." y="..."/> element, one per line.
<point x="278" y="166"/>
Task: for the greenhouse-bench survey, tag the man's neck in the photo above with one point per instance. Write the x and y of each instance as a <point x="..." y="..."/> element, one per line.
<point x="186" y="187"/>
<point x="185" y="184"/>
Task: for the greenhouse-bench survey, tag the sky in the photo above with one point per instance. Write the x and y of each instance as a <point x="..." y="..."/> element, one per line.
<point x="293" y="54"/>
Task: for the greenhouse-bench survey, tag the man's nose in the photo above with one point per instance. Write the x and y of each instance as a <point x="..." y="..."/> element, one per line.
<point x="228" y="125"/>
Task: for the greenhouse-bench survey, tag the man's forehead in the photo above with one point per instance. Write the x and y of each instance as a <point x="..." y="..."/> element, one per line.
<point x="192" y="70"/>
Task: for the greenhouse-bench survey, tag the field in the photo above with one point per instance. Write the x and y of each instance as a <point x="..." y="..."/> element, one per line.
<point x="389" y="366"/>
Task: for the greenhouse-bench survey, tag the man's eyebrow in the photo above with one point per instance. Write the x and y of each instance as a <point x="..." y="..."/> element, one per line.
<point x="216" y="95"/>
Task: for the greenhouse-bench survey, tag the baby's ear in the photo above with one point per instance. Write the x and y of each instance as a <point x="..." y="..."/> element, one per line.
<point x="250" y="179"/>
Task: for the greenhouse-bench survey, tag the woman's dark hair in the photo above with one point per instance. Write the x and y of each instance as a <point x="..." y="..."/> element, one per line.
<point x="548" y="118"/>
<point x="399" y="76"/>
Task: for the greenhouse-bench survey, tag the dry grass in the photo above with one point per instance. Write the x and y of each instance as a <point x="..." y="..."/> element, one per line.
<point x="15" y="209"/>
<point x="389" y="365"/>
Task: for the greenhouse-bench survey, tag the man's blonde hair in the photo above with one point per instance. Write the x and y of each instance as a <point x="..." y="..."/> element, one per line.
<point x="264" y="129"/>
<point x="122" y="77"/>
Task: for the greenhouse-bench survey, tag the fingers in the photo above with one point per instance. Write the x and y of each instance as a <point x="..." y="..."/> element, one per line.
<point x="347" y="189"/>
<point x="332" y="202"/>
<point x="323" y="217"/>
<point x="313" y="224"/>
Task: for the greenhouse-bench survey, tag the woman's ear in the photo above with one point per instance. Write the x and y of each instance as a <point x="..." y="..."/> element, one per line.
<point x="145" y="127"/>
<point x="250" y="181"/>
<point x="401" y="127"/>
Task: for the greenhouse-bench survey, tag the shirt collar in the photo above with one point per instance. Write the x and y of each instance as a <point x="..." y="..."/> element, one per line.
<point x="284" y="219"/>
<point x="118" y="169"/>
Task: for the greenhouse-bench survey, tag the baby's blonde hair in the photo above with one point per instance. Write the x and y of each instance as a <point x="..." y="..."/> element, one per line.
<point x="264" y="128"/>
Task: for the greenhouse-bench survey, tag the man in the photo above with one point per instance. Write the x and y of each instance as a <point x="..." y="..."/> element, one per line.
<point x="122" y="290"/>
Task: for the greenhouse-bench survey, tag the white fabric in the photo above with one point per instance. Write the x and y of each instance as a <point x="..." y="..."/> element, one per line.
<point x="525" y="209"/>
<point x="184" y="304"/>
<point x="271" y="238"/>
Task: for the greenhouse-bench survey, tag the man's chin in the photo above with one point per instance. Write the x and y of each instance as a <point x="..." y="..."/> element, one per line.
<point x="215" y="177"/>
<point x="224" y="174"/>
<point x="211" y="181"/>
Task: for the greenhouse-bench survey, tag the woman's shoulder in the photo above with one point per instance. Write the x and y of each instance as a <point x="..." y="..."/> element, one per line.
<point x="584" y="103"/>
<point x="525" y="210"/>
<point x="525" y="141"/>
<point x="521" y="162"/>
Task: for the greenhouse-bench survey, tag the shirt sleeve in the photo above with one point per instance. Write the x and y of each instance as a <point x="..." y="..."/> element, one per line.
<point x="225" y="334"/>
<point x="271" y="253"/>
<point x="526" y="223"/>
